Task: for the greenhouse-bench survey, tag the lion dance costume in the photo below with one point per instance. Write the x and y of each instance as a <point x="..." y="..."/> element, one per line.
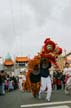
<point x="51" y="51"/>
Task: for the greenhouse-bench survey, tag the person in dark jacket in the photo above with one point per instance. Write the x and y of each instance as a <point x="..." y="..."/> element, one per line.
<point x="45" y="65"/>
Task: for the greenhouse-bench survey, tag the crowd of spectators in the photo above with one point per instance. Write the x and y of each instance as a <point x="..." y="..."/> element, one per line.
<point x="7" y="83"/>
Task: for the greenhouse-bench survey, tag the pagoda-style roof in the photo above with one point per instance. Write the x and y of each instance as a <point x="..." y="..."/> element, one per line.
<point x="8" y="63"/>
<point x="22" y="59"/>
<point x="8" y="60"/>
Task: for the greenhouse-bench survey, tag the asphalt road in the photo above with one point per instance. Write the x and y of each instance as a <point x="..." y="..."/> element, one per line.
<point x="18" y="99"/>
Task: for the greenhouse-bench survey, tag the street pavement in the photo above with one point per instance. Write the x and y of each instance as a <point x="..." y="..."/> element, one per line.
<point x="19" y="99"/>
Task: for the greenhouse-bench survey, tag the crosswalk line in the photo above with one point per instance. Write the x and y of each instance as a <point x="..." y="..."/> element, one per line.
<point x="48" y="103"/>
<point x="63" y="106"/>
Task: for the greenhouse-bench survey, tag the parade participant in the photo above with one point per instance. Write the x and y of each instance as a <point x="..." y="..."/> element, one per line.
<point x="67" y="73"/>
<point x="35" y="80"/>
<point x="31" y="66"/>
<point x="27" y="83"/>
<point x="50" y="51"/>
<point x="45" y="64"/>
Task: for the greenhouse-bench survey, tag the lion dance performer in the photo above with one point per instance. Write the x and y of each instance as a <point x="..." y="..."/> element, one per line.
<point x="49" y="53"/>
<point x="33" y="76"/>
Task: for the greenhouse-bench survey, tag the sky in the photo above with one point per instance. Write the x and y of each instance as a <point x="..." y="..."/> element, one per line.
<point x="25" y="24"/>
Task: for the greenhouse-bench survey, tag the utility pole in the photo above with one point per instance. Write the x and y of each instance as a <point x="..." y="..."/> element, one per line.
<point x="65" y="55"/>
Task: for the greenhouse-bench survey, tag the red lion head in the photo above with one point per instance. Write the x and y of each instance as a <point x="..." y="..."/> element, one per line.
<point x="50" y="50"/>
<point x="49" y="45"/>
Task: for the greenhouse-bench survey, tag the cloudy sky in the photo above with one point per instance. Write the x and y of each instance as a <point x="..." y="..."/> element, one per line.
<point x="25" y="24"/>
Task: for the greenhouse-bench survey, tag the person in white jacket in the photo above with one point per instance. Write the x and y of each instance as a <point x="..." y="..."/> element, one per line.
<point x="21" y="79"/>
<point x="67" y="70"/>
<point x="67" y="73"/>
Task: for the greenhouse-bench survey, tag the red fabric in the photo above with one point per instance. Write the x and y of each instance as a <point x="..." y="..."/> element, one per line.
<point x="59" y="82"/>
<point x="54" y="81"/>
